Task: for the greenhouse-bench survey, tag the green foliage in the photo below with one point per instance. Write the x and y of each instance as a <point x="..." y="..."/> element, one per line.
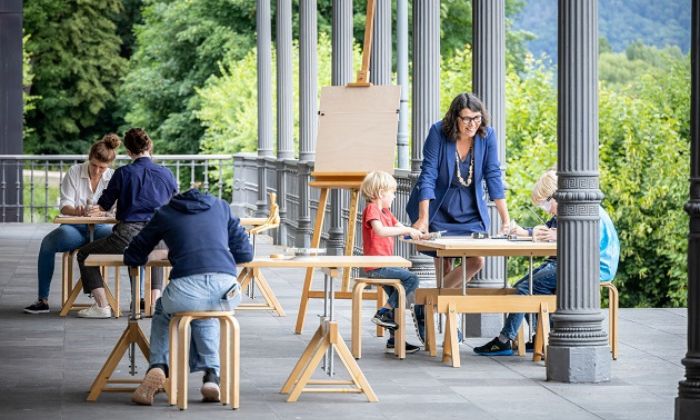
<point x="643" y="155"/>
<point x="227" y="104"/>
<point x="645" y="152"/>
<point x="179" y="46"/>
<point x="623" y="68"/>
<point x="27" y="79"/>
<point x="74" y="50"/>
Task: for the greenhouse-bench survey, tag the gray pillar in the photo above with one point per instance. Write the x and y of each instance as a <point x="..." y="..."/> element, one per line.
<point x="402" y="79"/>
<point x="304" y="230"/>
<point x="263" y="27"/>
<point x="285" y="86"/>
<point x="688" y="401"/>
<point x="11" y="104"/>
<point x="380" y="59"/>
<point x="578" y="346"/>
<point x="341" y="74"/>
<point x="285" y="110"/>
<point x="308" y="79"/>
<point x="426" y="98"/>
<point x="489" y="80"/>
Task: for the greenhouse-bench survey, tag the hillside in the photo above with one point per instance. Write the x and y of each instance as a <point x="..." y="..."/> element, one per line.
<point x="653" y="22"/>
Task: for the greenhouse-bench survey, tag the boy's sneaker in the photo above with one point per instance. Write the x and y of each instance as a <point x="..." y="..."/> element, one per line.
<point x="410" y="348"/>
<point x="385" y="318"/>
<point x="95" y="311"/>
<point x="418" y="315"/>
<point x="151" y="385"/>
<point x="495" y="348"/>
<point x="38" y="307"/>
<point x="210" y="386"/>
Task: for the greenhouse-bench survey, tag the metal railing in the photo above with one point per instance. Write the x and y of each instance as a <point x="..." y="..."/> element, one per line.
<point x="29" y="184"/>
<point x="290" y="178"/>
<point x="29" y="190"/>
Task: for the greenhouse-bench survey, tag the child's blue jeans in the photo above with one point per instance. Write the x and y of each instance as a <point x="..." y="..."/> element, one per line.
<point x="409" y="281"/>
<point x="544" y="282"/>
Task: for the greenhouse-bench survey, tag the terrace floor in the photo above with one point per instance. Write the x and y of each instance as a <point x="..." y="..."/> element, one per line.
<point x="48" y="363"/>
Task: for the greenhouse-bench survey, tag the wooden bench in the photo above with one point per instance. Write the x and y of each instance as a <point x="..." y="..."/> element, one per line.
<point x="452" y="302"/>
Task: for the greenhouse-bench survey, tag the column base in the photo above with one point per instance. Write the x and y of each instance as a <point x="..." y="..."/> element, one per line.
<point x="483" y="325"/>
<point x="687" y="409"/>
<point x="578" y="364"/>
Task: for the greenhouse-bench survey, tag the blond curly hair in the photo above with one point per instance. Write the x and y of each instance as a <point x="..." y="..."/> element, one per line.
<point x="375" y="183"/>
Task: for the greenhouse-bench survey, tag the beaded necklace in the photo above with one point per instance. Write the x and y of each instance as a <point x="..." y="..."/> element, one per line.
<point x="461" y="180"/>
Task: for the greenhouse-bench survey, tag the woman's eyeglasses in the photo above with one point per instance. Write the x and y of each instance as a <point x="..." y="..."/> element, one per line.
<point x="471" y="120"/>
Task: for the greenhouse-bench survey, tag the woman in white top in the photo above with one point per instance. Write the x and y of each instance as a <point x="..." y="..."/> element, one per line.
<point x="81" y="186"/>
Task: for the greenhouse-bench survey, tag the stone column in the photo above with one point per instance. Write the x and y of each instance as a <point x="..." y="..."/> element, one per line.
<point x="285" y="86"/>
<point x="426" y="99"/>
<point x="380" y="59"/>
<point x="402" y="80"/>
<point x="341" y="74"/>
<point x="263" y="27"/>
<point x="308" y="108"/>
<point x="11" y="102"/>
<point x="688" y="400"/>
<point x="578" y="346"/>
<point x="489" y="80"/>
<point x="308" y="79"/>
<point x="285" y="110"/>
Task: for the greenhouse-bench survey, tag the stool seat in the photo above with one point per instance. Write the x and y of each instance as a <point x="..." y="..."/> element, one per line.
<point x="229" y="353"/>
<point x="399" y="314"/>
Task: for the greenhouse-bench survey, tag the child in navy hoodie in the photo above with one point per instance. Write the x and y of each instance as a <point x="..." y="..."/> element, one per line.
<point x="205" y="243"/>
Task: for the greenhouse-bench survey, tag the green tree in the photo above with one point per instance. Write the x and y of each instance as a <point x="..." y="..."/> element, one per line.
<point x="74" y="50"/>
<point x="178" y="47"/>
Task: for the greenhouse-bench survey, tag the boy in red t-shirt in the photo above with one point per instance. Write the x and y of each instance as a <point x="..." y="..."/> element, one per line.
<point x="379" y="227"/>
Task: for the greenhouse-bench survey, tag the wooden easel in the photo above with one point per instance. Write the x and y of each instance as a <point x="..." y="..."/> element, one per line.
<point x="346" y="180"/>
<point x="131" y="337"/>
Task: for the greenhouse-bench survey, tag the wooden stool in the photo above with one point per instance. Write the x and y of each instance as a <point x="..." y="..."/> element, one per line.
<point x="399" y="314"/>
<point x="613" y="306"/>
<point x="229" y="353"/>
<point x="70" y="291"/>
<point x="67" y="274"/>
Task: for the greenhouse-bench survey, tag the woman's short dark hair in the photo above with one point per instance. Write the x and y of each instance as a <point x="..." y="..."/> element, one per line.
<point x="462" y="101"/>
<point x="105" y="150"/>
<point x="137" y="141"/>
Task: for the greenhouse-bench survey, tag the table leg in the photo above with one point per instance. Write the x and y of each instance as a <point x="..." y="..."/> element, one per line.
<point x="464" y="293"/>
<point x="529" y="288"/>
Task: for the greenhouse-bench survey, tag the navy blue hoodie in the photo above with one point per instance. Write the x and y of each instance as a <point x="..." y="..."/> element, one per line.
<point x="201" y="234"/>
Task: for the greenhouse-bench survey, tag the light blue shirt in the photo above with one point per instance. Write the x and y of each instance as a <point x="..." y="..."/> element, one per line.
<point x="609" y="247"/>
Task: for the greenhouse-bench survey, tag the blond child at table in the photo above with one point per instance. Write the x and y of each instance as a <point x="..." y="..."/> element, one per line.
<point x="544" y="277"/>
<point x="379" y="227"/>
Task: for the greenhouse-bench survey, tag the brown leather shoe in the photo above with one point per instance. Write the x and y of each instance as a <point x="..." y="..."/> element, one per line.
<point x="152" y="383"/>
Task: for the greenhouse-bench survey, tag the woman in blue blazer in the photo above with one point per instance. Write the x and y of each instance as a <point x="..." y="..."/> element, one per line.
<point x="460" y="152"/>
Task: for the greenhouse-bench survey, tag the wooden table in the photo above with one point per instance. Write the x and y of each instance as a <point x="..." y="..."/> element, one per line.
<point x="68" y="298"/>
<point x="249" y="222"/>
<point x="325" y="342"/>
<point x="131" y="337"/>
<point x="327" y="338"/>
<point x="453" y="301"/>
<point x="249" y="276"/>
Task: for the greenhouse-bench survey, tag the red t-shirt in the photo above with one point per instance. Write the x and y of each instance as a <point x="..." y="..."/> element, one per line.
<point x="372" y="243"/>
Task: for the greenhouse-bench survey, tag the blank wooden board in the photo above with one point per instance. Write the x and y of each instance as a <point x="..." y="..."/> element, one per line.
<point x="357" y="128"/>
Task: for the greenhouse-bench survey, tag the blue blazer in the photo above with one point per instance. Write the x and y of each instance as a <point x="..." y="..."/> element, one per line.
<point x="438" y="169"/>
